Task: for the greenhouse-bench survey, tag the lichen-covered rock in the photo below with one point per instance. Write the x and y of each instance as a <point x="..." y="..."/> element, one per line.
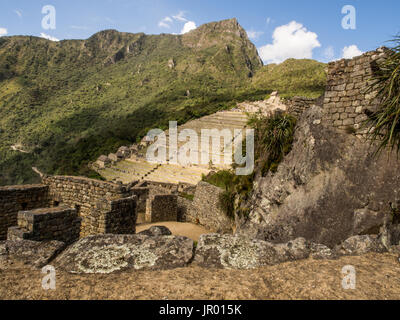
<point x="28" y="253"/>
<point x="321" y="252"/>
<point x="156" y="231"/>
<point x="234" y="252"/>
<point x="110" y="253"/>
<point x="294" y="250"/>
<point x="238" y="252"/>
<point x="359" y="245"/>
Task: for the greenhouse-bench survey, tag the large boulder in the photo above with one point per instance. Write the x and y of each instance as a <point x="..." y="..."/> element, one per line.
<point x="322" y="252"/>
<point x="359" y="245"/>
<point x="327" y="189"/>
<point x="110" y="253"/>
<point x="238" y="252"/>
<point x="28" y="253"/>
<point x="156" y="231"/>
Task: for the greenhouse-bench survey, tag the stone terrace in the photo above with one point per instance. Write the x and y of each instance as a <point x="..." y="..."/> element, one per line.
<point x="138" y="169"/>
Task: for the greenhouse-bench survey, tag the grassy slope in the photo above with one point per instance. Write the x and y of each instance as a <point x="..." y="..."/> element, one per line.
<point x="306" y="78"/>
<point x="68" y="102"/>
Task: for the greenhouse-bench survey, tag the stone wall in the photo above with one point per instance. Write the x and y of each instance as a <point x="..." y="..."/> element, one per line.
<point x="91" y="198"/>
<point x="119" y="216"/>
<point x="297" y="105"/>
<point x="17" y="198"/>
<point x="346" y="96"/>
<point x="162" y="207"/>
<point x="183" y="209"/>
<point x="58" y="223"/>
<point x="168" y="187"/>
<point x="142" y="194"/>
<point x="206" y="211"/>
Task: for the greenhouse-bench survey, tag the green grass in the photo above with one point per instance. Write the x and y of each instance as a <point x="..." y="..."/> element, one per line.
<point x="305" y="78"/>
<point x="187" y="196"/>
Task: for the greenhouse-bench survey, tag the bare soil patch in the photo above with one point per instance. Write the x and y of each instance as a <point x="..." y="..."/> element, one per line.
<point x="189" y="230"/>
<point x="378" y="277"/>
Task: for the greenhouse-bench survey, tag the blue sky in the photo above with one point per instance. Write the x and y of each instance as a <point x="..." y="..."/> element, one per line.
<point x="279" y="28"/>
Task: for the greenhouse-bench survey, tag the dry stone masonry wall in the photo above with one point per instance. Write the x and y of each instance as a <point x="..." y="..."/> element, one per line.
<point x="119" y="216"/>
<point x="162" y="207"/>
<point x="58" y="223"/>
<point x="297" y="105"/>
<point x="346" y="97"/>
<point x="17" y="198"/>
<point x="206" y="211"/>
<point x="92" y="199"/>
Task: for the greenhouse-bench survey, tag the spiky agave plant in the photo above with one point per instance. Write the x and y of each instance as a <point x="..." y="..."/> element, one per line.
<point x="274" y="138"/>
<point x="384" y="124"/>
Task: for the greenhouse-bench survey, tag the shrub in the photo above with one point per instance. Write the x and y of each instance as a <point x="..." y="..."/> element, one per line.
<point x="273" y="139"/>
<point x="187" y="196"/>
<point x="384" y="124"/>
<point x="235" y="187"/>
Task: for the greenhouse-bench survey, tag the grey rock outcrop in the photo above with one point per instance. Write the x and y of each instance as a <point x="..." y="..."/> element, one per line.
<point x="297" y="249"/>
<point x="234" y="252"/>
<point x="359" y="245"/>
<point x="238" y="252"/>
<point x="322" y="252"/>
<point x="28" y="253"/>
<point x="156" y="231"/>
<point x="327" y="189"/>
<point x="111" y="253"/>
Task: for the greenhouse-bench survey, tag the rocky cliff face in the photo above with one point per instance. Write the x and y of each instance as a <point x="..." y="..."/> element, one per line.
<point x="326" y="190"/>
<point x="233" y="37"/>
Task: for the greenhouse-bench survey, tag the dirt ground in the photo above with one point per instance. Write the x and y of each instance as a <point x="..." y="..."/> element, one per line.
<point x="189" y="230"/>
<point x="377" y="277"/>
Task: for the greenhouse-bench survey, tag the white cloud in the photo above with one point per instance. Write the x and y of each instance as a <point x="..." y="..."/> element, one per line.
<point x="168" y="21"/>
<point x="3" y="32"/>
<point x="329" y="53"/>
<point x="48" y="37"/>
<point x="254" y="35"/>
<point x="165" y="23"/>
<point x="189" y="26"/>
<point x="269" y="20"/>
<point x="18" y="13"/>
<point x="351" y="52"/>
<point x="292" y="40"/>
<point x="180" y="16"/>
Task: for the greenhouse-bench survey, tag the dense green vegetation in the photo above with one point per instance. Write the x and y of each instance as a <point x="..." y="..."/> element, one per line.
<point x="273" y="141"/>
<point x="384" y="124"/>
<point x="65" y="103"/>
<point x="305" y="78"/>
